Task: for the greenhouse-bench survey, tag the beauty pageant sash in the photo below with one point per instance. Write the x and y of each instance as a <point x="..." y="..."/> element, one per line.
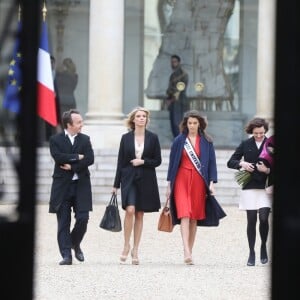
<point x="192" y="156"/>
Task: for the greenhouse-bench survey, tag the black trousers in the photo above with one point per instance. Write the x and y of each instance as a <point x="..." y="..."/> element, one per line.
<point x="66" y="237"/>
<point x="176" y="111"/>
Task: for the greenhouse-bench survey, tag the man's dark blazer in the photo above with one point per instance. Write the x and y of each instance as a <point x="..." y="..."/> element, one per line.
<point x="250" y="153"/>
<point x="143" y="176"/>
<point x="63" y="152"/>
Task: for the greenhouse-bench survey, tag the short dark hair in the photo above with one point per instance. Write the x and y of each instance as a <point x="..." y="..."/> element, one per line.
<point x="67" y="117"/>
<point x="176" y="57"/>
<point x="256" y="123"/>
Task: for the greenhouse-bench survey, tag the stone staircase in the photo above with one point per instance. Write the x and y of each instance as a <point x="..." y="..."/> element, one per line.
<point x="102" y="176"/>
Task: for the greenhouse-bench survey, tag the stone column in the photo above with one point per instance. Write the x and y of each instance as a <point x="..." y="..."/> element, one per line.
<point x="104" y="118"/>
<point x="266" y="60"/>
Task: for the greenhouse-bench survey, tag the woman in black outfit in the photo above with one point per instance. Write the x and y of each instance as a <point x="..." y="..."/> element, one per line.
<point x="254" y="198"/>
<point x="139" y="155"/>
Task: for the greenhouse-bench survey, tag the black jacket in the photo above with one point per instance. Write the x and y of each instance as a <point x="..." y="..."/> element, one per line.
<point x="144" y="176"/>
<point x="63" y="152"/>
<point x="249" y="152"/>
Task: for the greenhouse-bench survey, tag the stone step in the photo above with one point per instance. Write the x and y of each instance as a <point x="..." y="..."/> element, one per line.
<point x="103" y="172"/>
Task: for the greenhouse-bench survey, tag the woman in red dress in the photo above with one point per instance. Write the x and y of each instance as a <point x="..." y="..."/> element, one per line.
<point x="187" y="188"/>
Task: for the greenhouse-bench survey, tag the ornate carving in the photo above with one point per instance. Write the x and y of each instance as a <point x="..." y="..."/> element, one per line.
<point x="60" y="9"/>
<point x="195" y="32"/>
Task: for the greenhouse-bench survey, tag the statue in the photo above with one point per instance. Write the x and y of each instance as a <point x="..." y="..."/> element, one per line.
<point x="194" y="30"/>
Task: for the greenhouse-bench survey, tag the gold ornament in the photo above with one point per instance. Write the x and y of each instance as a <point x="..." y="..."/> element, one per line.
<point x="199" y="86"/>
<point x="180" y="86"/>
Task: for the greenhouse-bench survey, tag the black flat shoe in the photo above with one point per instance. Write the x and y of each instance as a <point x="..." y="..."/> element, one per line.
<point x="251" y="260"/>
<point x="264" y="260"/>
<point x="66" y="261"/>
<point x="78" y="253"/>
<point x="263" y="255"/>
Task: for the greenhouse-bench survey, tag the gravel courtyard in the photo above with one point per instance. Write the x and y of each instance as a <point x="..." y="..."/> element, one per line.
<point x="220" y="270"/>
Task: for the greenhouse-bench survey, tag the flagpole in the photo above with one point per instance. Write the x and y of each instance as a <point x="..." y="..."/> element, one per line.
<point x="47" y="107"/>
<point x="19" y="13"/>
<point x="44" y="11"/>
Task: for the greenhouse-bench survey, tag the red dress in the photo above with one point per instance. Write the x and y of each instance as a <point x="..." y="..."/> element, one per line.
<point x="190" y="189"/>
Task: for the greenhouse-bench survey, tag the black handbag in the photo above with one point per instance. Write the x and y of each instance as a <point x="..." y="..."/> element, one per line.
<point x="111" y="220"/>
<point x="214" y="212"/>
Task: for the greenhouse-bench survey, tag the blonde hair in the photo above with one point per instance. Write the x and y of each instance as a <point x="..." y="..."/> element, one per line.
<point x="130" y="117"/>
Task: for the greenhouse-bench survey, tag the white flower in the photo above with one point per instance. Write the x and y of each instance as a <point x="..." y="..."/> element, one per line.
<point x="242" y="177"/>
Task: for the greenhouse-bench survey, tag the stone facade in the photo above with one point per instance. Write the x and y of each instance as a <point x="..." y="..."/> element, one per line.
<point x="102" y="176"/>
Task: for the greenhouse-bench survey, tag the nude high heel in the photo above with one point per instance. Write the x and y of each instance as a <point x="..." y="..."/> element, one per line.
<point x="188" y="261"/>
<point x="188" y="258"/>
<point x="134" y="260"/>
<point x="123" y="257"/>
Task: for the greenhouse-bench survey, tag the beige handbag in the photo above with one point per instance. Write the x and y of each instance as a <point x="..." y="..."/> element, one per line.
<point x="165" y="220"/>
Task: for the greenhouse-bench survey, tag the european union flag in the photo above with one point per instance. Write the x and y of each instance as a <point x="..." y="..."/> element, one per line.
<point x="11" y="99"/>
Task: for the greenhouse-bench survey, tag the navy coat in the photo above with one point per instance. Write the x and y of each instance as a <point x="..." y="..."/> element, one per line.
<point x="208" y="165"/>
<point x="63" y="152"/>
<point x="250" y="153"/>
<point x="144" y="176"/>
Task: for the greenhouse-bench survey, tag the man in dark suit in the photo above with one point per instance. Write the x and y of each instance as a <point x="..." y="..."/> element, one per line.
<point x="177" y="101"/>
<point x="71" y="187"/>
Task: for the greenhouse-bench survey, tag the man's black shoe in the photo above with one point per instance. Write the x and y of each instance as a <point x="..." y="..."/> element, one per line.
<point x="78" y="253"/>
<point x="66" y="261"/>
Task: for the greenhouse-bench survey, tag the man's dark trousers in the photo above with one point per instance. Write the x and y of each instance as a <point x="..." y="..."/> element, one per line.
<point x="66" y="239"/>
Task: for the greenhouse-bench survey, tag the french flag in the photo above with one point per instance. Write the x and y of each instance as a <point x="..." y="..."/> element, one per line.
<point x="46" y="105"/>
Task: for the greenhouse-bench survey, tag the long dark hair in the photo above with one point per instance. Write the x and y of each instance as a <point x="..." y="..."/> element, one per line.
<point x="202" y="123"/>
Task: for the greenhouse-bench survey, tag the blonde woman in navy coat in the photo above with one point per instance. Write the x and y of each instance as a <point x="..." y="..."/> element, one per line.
<point x="139" y="155"/>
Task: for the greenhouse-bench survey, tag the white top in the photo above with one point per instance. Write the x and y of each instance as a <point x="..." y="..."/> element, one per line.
<point x="139" y="148"/>
<point x="72" y="138"/>
<point x="258" y="144"/>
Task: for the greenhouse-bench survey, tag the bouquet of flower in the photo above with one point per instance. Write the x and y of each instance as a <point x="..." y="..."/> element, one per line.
<point x="267" y="154"/>
<point x="242" y="177"/>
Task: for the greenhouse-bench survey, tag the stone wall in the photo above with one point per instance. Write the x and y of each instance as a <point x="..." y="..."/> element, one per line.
<point x="102" y="176"/>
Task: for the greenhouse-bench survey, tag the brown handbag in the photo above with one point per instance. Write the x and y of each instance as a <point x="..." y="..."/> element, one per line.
<point x="165" y="220"/>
